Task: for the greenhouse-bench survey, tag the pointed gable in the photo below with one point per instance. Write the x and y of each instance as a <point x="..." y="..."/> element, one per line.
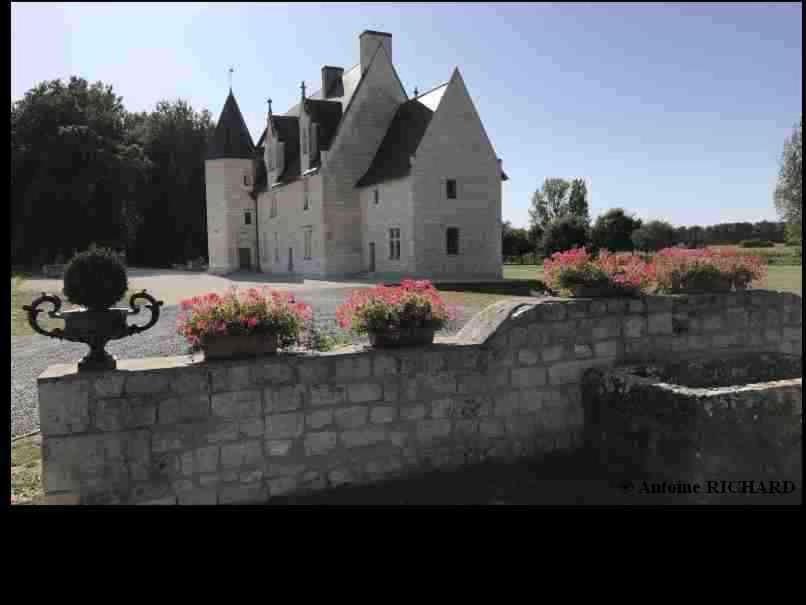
<point x="231" y="138"/>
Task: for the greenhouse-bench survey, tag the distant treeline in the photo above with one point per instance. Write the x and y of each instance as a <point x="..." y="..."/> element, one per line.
<point x="84" y="170"/>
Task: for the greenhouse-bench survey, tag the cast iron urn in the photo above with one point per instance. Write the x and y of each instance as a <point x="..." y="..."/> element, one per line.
<point x="94" y="327"/>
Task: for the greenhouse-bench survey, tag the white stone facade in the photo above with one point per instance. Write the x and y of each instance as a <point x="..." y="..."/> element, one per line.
<point x="321" y="222"/>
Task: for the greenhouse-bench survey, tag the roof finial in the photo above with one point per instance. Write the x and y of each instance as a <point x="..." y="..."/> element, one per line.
<point x="231" y="69"/>
<point x="302" y="87"/>
<point x="416" y="93"/>
<point x="269" y="102"/>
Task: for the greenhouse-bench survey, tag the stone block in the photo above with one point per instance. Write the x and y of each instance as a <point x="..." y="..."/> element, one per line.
<point x="284" y="399"/>
<point x="434" y="363"/>
<point x="319" y="443"/>
<point x="528" y="357"/>
<point x="363" y="436"/>
<point x="274" y="469"/>
<point x="281" y="426"/>
<point x="110" y="384"/>
<point x="190" y="382"/>
<point x="353" y="368"/>
<point x="362" y="392"/>
<point x="351" y="417"/>
<point x="198" y="497"/>
<point x="429" y="430"/>
<point x="277" y="447"/>
<point x="244" y="453"/>
<point x="273" y="373"/>
<point x="180" y="409"/>
<point x="583" y="351"/>
<point x="326" y="394"/>
<point x="660" y="323"/>
<point x="147" y="383"/>
<point x="63" y="406"/>
<point x="552" y="353"/>
<point x="124" y="413"/>
<point x="634" y="326"/>
<point x="506" y="404"/>
<point x="606" y="349"/>
<point x="222" y="432"/>
<point x="313" y="370"/>
<point x="412" y="412"/>
<point x="281" y="486"/>
<point x="385" y="365"/>
<point x="318" y="419"/>
<point x="382" y="414"/>
<point x="524" y="378"/>
<point x="238" y="404"/>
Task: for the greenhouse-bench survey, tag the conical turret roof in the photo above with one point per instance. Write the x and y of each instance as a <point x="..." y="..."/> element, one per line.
<point x="231" y="138"/>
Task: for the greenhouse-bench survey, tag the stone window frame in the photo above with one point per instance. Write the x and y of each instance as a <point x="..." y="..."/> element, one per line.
<point x="449" y="249"/>
<point x="247" y="217"/>
<point x="394" y="243"/>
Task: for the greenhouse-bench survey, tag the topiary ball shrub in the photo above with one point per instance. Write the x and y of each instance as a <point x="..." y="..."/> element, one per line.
<point x="95" y="279"/>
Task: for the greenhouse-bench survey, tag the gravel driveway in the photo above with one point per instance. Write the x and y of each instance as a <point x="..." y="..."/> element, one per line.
<point x="31" y="355"/>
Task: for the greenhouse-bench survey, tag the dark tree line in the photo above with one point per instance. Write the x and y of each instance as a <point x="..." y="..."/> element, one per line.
<point x="84" y="170"/>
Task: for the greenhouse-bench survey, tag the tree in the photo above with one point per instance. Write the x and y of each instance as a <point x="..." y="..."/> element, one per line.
<point x="69" y="151"/>
<point x="613" y="231"/>
<point x="535" y="235"/>
<point x="578" y="199"/>
<point x="789" y="190"/>
<point x="653" y="236"/>
<point x="550" y="202"/>
<point x="565" y="233"/>
<point x="515" y="241"/>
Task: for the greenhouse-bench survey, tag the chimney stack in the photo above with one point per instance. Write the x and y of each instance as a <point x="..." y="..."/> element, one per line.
<point x="331" y="76"/>
<point x="369" y="41"/>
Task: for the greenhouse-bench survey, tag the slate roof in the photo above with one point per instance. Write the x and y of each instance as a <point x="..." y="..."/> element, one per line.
<point x="231" y="138"/>
<point x="391" y="161"/>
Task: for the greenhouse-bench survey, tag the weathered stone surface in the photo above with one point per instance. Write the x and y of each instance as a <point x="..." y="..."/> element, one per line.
<point x="110" y="384"/>
<point x="634" y="326"/>
<point x="284" y="399"/>
<point x="428" y="430"/>
<point x="363" y="436"/>
<point x="437" y="383"/>
<point x="524" y="378"/>
<point x="364" y="391"/>
<point x="273" y="373"/>
<point x="412" y="412"/>
<point x="326" y="394"/>
<point x="198" y="497"/>
<point x="313" y="371"/>
<point x="277" y="447"/>
<point x="351" y="417"/>
<point x="528" y="357"/>
<point x="238" y="404"/>
<point x="660" y="323"/>
<point x="385" y="365"/>
<point x="280" y="426"/>
<point x="282" y="485"/>
<point x="353" y="368"/>
<point x="319" y="418"/>
<point x="319" y="443"/>
<point x="190" y="382"/>
<point x="147" y="383"/>
<point x="234" y="455"/>
<point x="382" y="414"/>
<point x="124" y="413"/>
<point x="64" y="407"/>
<point x="179" y="409"/>
<point x="242" y="494"/>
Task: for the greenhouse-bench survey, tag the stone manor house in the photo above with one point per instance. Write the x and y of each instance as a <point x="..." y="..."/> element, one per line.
<point x="358" y="179"/>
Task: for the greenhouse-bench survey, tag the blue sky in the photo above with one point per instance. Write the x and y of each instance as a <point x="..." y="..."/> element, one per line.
<point x="672" y="111"/>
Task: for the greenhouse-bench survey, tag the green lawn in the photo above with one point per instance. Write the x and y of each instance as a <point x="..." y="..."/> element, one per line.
<point x="26" y="471"/>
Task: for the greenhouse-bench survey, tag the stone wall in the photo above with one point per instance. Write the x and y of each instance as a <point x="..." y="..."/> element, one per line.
<point x="181" y="430"/>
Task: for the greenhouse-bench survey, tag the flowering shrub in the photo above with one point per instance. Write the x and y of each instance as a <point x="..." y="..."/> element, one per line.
<point x="678" y="269"/>
<point x="240" y="313"/>
<point x="620" y="273"/>
<point x="383" y="307"/>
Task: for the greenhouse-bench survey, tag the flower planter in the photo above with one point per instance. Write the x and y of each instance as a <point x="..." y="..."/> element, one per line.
<point x="246" y="345"/>
<point x="402" y="336"/>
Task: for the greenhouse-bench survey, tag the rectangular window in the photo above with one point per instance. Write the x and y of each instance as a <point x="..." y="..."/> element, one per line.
<point x="452" y="241"/>
<point x="263" y="253"/>
<point x="450" y="189"/>
<point x="246" y="180"/>
<point x="305" y="140"/>
<point x="376" y="196"/>
<point x="247" y="218"/>
<point x="271" y="158"/>
<point x="394" y="243"/>
<point x="308" y="242"/>
<point x="276" y="248"/>
<point x="273" y="210"/>
<point x="306" y="201"/>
